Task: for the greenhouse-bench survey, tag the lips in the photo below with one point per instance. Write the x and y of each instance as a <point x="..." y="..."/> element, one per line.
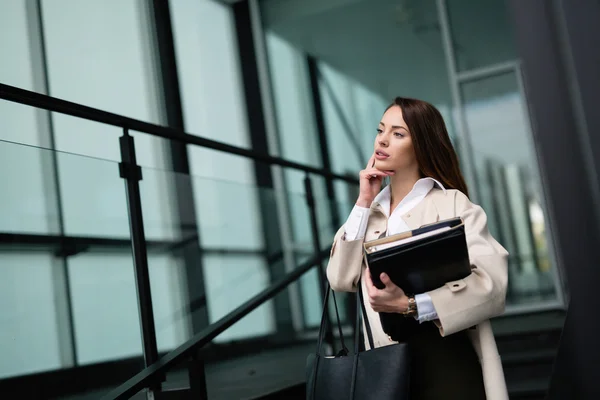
<point x="381" y="155"/>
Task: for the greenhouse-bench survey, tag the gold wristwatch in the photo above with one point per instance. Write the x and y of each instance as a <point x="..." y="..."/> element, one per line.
<point x="411" y="311"/>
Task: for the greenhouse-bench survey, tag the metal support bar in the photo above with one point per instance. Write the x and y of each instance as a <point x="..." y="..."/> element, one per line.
<point x="50" y="165"/>
<point x="270" y="221"/>
<point x="313" y="72"/>
<point x="310" y="199"/>
<point x="184" y="204"/>
<point x="131" y="172"/>
<point x="466" y="147"/>
<point x="197" y="376"/>
<point x="282" y="205"/>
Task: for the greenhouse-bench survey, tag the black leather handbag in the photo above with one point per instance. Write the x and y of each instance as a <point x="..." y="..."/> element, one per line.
<point x="381" y="373"/>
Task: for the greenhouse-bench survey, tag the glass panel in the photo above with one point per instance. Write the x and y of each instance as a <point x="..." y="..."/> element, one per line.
<point x="230" y="225"/>
<point x="293" y="101"/>
<point x="18" y="123"/>
<point x="233" y="280"/>
<point x="94" y="197"/>
<point x="209" y="73"/>
<point x="39" y="265"/>
<point x="15" y="70"/>
<point x="304" y="250"/>
<point x="29" y="327"/>
<point x="28" y="198"/>
<point x="508" y="179"/>
<point x="232" y="261"/>
<point x="117" y="71"/>
<point x="105" y="310"/>
<point x="102" y="282"/>
<point x="481" y="33"/>
<point x="110" y="35"/>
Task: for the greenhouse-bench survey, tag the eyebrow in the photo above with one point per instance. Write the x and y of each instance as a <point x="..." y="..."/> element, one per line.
<point x="395" y="127"/>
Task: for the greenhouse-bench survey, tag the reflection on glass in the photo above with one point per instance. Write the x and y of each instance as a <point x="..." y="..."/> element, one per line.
<point x="508" y="187"/>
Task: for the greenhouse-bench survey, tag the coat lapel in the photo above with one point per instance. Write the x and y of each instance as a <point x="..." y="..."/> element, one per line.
<point x="377" y="223"/>
<point x="423" y="213"/>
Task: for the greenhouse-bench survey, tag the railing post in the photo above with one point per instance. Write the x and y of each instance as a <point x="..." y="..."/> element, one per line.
<point x="316" y="239"/>
<point x="132" y="173"/>
<point x="197" y="376"/>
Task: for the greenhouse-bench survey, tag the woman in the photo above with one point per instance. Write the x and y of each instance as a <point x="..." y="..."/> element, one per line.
<point x="454" y="351"/>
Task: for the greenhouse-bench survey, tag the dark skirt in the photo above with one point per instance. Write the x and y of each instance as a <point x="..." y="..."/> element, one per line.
<point x="442" y="367"/>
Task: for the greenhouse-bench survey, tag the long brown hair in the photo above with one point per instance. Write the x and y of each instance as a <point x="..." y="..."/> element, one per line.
<point x="435" y="153"/>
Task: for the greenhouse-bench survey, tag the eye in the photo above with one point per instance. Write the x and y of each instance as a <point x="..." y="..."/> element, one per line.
<point x="398" y="134"/>
<point x="379" y="131"/>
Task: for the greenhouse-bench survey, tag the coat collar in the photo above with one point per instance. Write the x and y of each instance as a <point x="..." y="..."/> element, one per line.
<point x="423" y="213"/>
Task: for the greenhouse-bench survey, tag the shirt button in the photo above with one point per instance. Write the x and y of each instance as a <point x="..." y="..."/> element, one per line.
<point x="407" y="215"/>
<point x="376" y="232"/>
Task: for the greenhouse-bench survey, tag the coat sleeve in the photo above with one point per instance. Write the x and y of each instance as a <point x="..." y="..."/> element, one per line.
<point x="480" y="296"/>
<point x="345" y="263"/>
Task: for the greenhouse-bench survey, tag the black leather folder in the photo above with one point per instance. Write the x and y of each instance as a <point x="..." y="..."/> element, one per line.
<point x="423" y="259"/>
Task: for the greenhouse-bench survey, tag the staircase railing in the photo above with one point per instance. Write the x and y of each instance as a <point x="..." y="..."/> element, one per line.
<point x="130" y="171"/>
<point x="149" y="376"/>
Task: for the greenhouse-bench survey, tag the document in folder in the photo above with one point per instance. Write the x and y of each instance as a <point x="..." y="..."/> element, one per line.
<point x="422" y="259"/>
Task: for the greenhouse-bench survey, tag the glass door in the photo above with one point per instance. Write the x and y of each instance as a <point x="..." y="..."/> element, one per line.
<point x="497" y="144"/>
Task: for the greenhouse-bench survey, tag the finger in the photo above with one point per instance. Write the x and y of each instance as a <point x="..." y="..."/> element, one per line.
<point x="378" y="171"/>
<point x="371" y="162"/>
<point x="375" y="173"/>
<point x="385" y="279"/>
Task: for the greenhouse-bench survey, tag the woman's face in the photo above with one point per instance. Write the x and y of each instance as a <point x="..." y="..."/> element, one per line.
<point x="393" y="144"/>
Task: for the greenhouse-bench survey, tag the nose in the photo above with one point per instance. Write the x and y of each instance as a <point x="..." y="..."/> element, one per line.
<point x="383" y="142"/>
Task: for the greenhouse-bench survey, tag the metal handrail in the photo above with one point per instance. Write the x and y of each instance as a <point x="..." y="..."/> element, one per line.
<point x="130" y="171"/>
<point x="54" y="104"/>
<point x="146" y="377"/>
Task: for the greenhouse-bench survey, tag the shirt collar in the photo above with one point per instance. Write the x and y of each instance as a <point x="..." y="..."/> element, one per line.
<point x="422" y="185"/>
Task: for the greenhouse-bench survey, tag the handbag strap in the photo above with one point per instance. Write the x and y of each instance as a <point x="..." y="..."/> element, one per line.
<point x="323" y="322"/>
<point x="360" y="309"/>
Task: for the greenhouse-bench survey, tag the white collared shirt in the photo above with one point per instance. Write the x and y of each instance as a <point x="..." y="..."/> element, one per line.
<point x="356" y="227"/>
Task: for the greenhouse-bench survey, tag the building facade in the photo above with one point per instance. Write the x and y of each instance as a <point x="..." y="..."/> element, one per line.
<point x="306" y="81"/>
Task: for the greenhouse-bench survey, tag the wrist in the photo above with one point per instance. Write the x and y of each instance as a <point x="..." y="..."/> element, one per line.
<point x="402" y="305"/>
<point x="363" y="203"/>
<point x="409" y="307"/>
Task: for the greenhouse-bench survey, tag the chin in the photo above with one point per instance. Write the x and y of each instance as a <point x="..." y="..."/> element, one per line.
<point x="384" y="165"/>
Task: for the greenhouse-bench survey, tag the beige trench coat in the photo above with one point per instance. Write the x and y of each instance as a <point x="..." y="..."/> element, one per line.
<point x="460" y="305"/>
